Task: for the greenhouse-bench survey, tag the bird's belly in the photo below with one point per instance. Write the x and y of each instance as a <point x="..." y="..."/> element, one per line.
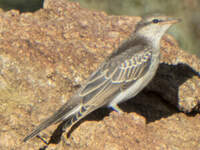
<point x="134" y="89"/>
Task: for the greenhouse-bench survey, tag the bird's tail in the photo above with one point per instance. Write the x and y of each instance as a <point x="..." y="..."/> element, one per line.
<point x="70" y="112"/>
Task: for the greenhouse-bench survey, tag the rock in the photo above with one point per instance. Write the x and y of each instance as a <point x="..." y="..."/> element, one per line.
<point x="45" y="55"/>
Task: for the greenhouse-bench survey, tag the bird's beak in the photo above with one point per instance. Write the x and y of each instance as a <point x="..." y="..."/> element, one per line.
<point x="172" y="21"/>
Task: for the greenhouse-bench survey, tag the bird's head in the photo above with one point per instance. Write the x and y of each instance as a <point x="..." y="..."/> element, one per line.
<point x="153" y="28"/>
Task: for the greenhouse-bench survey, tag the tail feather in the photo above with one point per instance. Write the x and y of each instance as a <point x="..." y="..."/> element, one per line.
<point x="76" y="117"/>
<point x="67" y="111"/>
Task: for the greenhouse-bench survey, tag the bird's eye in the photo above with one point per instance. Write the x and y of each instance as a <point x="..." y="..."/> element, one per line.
<point x="155" y="20"/>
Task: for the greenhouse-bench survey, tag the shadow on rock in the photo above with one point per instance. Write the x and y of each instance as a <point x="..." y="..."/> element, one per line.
<point x="160" y="98"/>
<point x="167" y="84"/>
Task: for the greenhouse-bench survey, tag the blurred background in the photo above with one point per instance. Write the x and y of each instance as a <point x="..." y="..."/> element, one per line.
<point x="187" y="33"/>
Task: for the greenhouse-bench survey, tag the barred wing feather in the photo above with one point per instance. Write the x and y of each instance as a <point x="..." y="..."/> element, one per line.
<point x="115" y="73"/>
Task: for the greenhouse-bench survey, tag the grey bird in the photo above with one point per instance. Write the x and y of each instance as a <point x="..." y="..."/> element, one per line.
<point x="120" y="77"/>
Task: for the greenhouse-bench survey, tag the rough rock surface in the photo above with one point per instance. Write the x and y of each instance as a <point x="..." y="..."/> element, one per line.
<point x="45" y="55"/>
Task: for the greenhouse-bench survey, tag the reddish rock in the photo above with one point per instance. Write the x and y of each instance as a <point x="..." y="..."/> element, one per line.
<point x="45" y="55"/>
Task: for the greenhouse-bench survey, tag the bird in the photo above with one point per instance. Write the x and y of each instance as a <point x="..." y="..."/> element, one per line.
<point x="122" y="75"/>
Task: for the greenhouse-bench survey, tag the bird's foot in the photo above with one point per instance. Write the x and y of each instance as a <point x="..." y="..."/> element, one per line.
<point x="117" y="108"/>
<point x="65" y="140"/>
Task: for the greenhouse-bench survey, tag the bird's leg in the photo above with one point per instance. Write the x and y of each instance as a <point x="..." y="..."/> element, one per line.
<point x="117" y="109"/>
<point x="64" y="139"/>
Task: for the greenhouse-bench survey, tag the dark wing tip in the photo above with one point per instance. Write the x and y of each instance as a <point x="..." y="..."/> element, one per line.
<point x="30" y="136"/>
<point x="41" y="127"/>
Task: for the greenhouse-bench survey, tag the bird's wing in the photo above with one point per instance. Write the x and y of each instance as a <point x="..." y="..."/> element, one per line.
<point x="117" y="71"/>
